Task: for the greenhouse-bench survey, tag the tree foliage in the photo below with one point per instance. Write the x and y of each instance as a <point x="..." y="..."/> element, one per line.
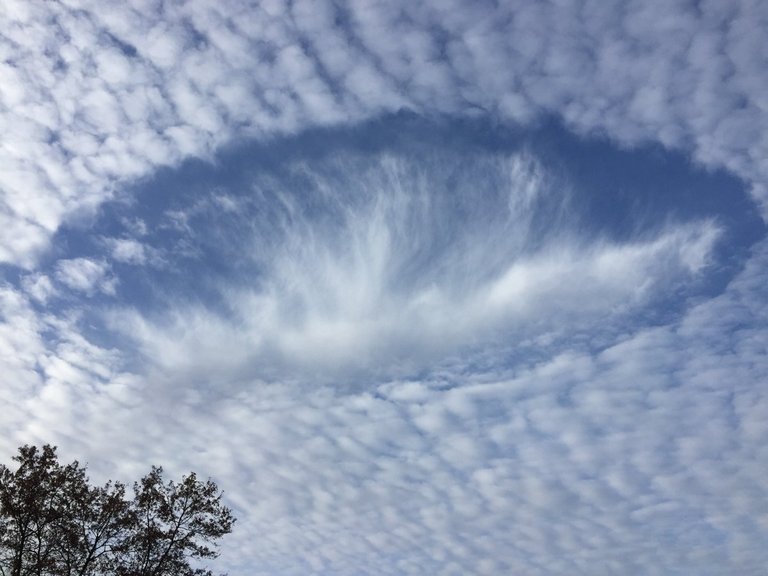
<point x="54" y="523"/>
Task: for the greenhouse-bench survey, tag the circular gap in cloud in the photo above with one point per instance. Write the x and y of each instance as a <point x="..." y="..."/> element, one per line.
<point x="385" y="247"/>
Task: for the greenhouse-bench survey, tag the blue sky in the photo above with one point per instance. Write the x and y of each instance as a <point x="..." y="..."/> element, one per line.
<point x="451" y="287"/>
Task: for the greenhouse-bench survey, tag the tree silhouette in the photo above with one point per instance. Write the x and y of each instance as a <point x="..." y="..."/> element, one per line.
<point x="54" y="523"/>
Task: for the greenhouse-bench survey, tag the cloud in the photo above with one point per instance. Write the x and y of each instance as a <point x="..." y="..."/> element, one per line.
<point x="56" y="383"/>
<point x="563" y="467"/>
<point x="545" y="469"/>
<point x="39" y="287"/>
<point x="85" y="275"/>
<point x="396" y="261"/>
<point x="572" y="464"/>
<point x="394" y="362"/>
<point x="574" y="458"/>
<point x="128" y="251"/>
<point x="99" y="95"/>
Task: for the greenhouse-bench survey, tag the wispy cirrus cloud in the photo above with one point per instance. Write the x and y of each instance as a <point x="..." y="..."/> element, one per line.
<point x="358" y="263"/>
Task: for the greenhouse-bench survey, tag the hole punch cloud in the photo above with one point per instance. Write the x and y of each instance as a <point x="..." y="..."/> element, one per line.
<point x="439" y="287"/>
<point x="360" y="263"/>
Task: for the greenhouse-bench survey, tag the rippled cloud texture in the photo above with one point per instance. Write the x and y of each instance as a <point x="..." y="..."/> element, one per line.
<point x="428" y="288"/>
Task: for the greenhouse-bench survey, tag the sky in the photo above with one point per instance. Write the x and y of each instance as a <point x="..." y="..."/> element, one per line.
<point x="446" y="287"/>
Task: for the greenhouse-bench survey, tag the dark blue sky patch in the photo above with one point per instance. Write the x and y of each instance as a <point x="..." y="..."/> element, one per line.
<point x="629" y="191"/>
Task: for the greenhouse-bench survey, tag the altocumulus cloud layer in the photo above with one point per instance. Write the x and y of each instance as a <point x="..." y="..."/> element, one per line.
<point x="96" y="93"/>
<point x="429" y="288"/>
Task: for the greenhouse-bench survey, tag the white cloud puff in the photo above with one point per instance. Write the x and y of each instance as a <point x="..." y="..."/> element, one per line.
<point x="85" y="275"/>
<point x="39" y="287"/>
<point x="128" y="251"/>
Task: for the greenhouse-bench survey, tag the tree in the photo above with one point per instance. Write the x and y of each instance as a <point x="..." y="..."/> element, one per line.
<point x="95" y="531"/>
<point x="33" y="503"/>
<point x="175" y="523"/>
<point x="54" y="523"/>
